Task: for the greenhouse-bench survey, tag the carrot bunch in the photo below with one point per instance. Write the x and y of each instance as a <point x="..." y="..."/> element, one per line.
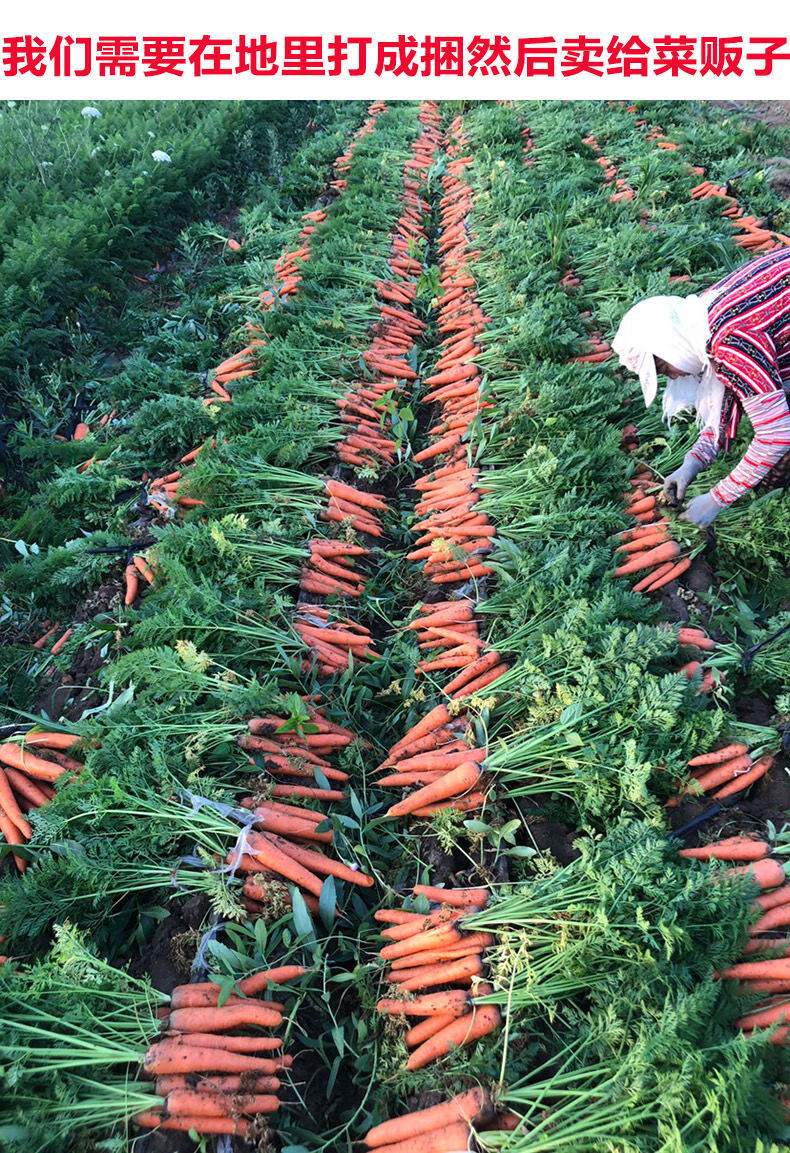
<point x="359" y="509"/>
<point x="429" y="952"/>
<point x="332" y="639"/>
<point x="443" y="1128"/>
<point x="624" y="190"/>
<point x="599" y="349"/>
<point x="58" y="644"/>
<point x="764" y="967"/>
<point x="330" y="569"/>
<point x="27" y="779"/>
<point x="166" y="492"/>
<point x="755" y="238"/>
<point x="342" y="165"/>
<point x="450" y="630"/>
<point x="528" y="147"/>
<point x="649" y="548"/>
<point x="435" y="756"/>
<point x="208" y="1064"/>
<point x="723" y="773"/>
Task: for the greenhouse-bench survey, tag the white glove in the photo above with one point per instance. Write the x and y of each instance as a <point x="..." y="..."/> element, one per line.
<point x="677" y="482"/>
<point x="702" y="510"/>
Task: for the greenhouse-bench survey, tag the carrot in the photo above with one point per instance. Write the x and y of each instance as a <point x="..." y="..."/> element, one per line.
<point x="456" y="897"/>
<point x="767" y="872"/>
<point x="37" y="767"/>
<point x="25" y="788"/>
<point x="777" y="1013"/>
<point x="676" y="571"/>
<point x="442" y="973"/>
<point x="211" y="1020"/>
<point x="171" y="1056"/>
<point x="455" y="782"/>
<point x="220" y="1125"/>
<point x="132" y="584"/>
<point x="59" y="644"/>
<point x="470" y="943"/>
<point x="439" y="937"/>
<point x="482" y="665"/>
<point x="648" y="559"/>
<point x="729" y="849"/>
<point x="471" y="1107"/>
<point x="758" y="770"/>
<point x="720" y="774"/>
<point x="775" y="918"/>
<point x="455" y="1003"/>
<point x="432" y="721"/>
<point x="143" y="568"/>
<point x="320" y="864"/>
<point x="11" y="807"/>
<point x="185" y="1102"/>
<point x="274" y="859"/>
<point x="779" y="896"/>
<point x="481" y="1021"/>
<point x="729" y="752"/>
<point x="465" y="804"/>
<point x="448" y="1139"/>
<point x="364" y="499"/>
<point x="425" y="1029"/>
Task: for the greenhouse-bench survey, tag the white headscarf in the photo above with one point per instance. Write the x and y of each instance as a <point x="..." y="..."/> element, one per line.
<point x="676" y="329"/>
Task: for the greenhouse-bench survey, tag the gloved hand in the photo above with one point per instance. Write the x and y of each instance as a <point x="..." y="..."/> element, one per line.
<point x="702" y="510"/>
<point x="677" y="482"/>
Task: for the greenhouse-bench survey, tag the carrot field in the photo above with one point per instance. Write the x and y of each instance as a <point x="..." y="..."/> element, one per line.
<point x="384" y="765"/>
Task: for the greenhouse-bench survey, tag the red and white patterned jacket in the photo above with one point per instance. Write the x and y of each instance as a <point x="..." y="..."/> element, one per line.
<point x="749" y="314"/>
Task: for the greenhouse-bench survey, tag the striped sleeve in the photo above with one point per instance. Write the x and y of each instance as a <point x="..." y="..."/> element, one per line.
<point x="706" y="449"/>
<point x="746" y="362"/>
<point x="770" y="417"/>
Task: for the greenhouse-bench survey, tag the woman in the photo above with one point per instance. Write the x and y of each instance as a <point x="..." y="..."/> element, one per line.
<point x="724" y="352"/>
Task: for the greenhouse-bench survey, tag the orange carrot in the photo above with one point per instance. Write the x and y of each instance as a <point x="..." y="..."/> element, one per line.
<point x="454" y="783"/>
<point x="729" y="849"/>
<point x="481" y="1021"/>
<point x="37" y="767"/>
<point x="729" y="752"/>
<point x="455" y="1003"/>
<point x="469" y="1107"/>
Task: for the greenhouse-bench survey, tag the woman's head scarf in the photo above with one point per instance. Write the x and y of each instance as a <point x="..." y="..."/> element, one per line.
<point x="676" y="329"/>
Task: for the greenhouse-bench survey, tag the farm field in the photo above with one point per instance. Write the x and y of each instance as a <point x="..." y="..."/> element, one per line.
<point x="357" y="763"/>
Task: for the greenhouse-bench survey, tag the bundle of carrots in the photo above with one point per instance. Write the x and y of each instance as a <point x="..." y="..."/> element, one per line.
<point x="450" y="629"/>
<point x="166" y="492"/>
<point x="332" y="639"/>
<point x="624" y="190"/>
<point x="208" y="1065"/>
<point x="650" y="546"/>
<point x="755" y="238"/>
<point x="28" y="771"/>
<point x="138" y="567"/>
<point x="765" y="965"/>
<point x="528" y="147"/>
<point x="435" y="756"/>
<point x="599" y="349"/>
<point x="330" y="569"/>
<point x="359" y="509"/>
<point x="236" y="367"/>
<point x="445" y="1128"/>
<point x="430" y="951"/>
<point x="723" y="773"/>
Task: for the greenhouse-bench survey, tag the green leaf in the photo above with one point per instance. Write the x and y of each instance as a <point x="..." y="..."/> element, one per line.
<point x="303" y="922"/>
<point x="327" y="902"/>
